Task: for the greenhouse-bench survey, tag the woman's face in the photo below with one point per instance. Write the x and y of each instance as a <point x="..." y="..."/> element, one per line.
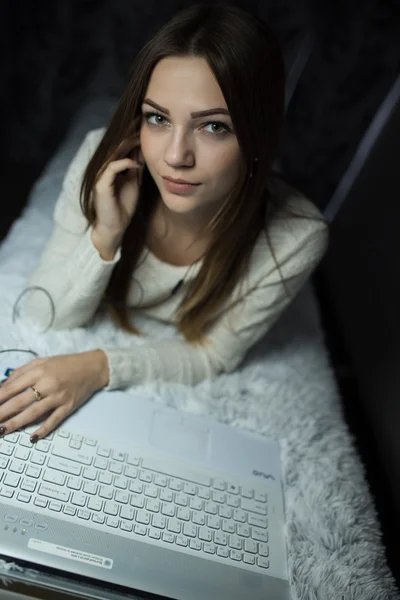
<point x="181" y="146"/>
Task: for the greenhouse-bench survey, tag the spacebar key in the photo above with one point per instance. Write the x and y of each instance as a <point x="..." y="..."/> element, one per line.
<point x="175" y="470"/>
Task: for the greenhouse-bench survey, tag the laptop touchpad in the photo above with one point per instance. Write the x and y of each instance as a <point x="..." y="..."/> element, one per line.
<point x="179" y="435"/>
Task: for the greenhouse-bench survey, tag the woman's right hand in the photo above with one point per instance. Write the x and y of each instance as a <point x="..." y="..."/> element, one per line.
<point x="116" y="190"/>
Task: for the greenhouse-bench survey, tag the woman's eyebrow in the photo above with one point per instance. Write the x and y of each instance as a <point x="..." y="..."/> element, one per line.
<point x="194" y="115"/>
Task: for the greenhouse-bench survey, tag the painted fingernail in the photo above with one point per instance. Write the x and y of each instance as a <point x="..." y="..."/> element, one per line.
<point x="34" y="439"/>
<point x="3" y="430"/>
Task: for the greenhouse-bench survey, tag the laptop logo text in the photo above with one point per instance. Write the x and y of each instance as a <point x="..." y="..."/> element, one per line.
<point x="262" y="474"/>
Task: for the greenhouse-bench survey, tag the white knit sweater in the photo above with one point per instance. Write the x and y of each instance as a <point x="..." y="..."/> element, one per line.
<point x="76" y="277"/>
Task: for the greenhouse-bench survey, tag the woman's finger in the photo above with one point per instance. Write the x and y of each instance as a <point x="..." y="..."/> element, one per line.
<point x="23" y="369"/>
<point x="57" y="416"/>
<point x="17" y="384"/>
<point x="22" y="412"/>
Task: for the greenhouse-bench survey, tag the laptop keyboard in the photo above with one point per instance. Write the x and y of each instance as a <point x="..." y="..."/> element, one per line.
<point x="167" y="502"/>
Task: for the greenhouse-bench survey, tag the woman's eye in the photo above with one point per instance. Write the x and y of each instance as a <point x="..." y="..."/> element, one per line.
<point x="219" y="124"/>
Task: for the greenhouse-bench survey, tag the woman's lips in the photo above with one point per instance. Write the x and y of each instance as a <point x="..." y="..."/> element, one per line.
<point x="179" y="188"/>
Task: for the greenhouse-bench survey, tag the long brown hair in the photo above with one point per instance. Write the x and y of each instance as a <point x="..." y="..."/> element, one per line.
<point x="246" y="60"/>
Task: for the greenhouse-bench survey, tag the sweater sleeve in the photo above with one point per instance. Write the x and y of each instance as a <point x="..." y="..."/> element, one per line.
<point x="232" y="334"/>
<point x="70" y="269"/>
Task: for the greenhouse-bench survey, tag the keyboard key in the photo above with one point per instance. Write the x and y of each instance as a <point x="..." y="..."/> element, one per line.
<point x="28" y="484"/>
<point x="250" y="546"/>
<point x="140" y="529"/>
<point x="167" y="509"/>
<point x="88" y="473"/>
<point x="126" y="526"/>
<point x="196" y="503"/>
<point x="142" y="516"/>
<point x="150" y="490"/>
<point x="257" y="521"/>
<point x="209" y="548"/>
<point x="235" y="555"/>
<point x="189" y="530"/>
<point x="74" y="483"/>
<point x="166" y="495"/>
<point x="235" y="542"/>
<point x="250" y="559"/>
<point x="89" y="487"/>
<point x="137" y="500"/>
<point x="222" y="551"/>
<point x="120" y="482"/>
<point x="65" y="451"/>
<point x="247" y="492"/>
<point x="181" y="540"/>
<point x="51" y="491"/>
<point x="17" y="466"/>
<point x="175" y="484"/>
<point x="104" y="451"/>
<point x="198" y="518"/>
<point x="106" y="491"/>
<point x="153" y="505"/>
<point x="232" y="488"/>
<point x="100" y="463"/>
<point x="110" y="508"/>
<point x="234" y="500"/>
<point x="136" y="486"/>
<point x="253" y="506"/>
<point x="260" y="496"/>
<point x="211" y="508"/>
<point x="115" y="467"/>
<point x="189" y="488"/>
<point x="95" y="504"/>
<point x="121" y="496"/>
<point x="228" y="526"/>
<point x="195" y="544"/>
<point x="218" y="496"/>
<point x="130" y="471"/>
<point x="24" y="497"/>
<point x="181" y="499"/>
<point x="243" y="529"/>
<point x="205" y="534"/>
<point x="160" y="480"/>
<point x="203" y="492"/>
<point x="159" y="521"/>
<point x="263" y="549"/>
<point x="168" y="537"/>
<point x="145" y="476"/>
<point x="174" y="525"/>
<point x="54" y="477"/>
<point x="225" y="511"/>
<point x="220" y="538"/>
<point x="213" y="522"/>
<point x="175" y="469"/>
<point x="219" y="484"/>
<point x="262" y="562"/>
<point x="183" y="513"/>
<point x="126" y="512"/>
<point x="239" y="515"/>
<point x="154" y="533"/>
<point x="261" y="535"/>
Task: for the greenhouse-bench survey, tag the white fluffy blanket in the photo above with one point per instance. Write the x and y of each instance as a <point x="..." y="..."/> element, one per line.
<point x="285" y="389"/>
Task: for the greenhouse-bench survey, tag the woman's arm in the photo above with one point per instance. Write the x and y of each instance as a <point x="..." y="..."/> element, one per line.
<point x="232" y="335"/>
<point x="74" y="267"/>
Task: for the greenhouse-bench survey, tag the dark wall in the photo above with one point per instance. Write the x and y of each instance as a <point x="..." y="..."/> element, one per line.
<point x="52" y="51"/>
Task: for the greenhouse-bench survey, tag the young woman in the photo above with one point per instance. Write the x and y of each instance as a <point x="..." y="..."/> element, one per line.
<point x="220" y="257"/>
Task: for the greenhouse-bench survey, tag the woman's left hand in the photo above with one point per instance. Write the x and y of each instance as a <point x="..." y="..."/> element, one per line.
<point x="66" y="382"/>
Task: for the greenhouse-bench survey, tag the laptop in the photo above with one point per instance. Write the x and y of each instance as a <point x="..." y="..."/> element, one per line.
<point x="134" y="495"/>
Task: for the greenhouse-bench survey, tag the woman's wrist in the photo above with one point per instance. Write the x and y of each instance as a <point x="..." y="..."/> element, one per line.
<point x="99" y="368"/>
<point x="106" y="243"/>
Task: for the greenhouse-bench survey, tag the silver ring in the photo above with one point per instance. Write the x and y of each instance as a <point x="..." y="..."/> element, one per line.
<point x="38" y="395"/>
